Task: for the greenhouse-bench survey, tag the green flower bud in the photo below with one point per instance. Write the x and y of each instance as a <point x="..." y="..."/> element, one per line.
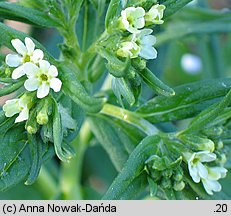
<point x="198" y="143"/>
<point x="178" y="186"/>
<point x="178" y="176"/>
<point x="167" y="173"/>
<point x="166" y="183"/>
<point x="8" y="71"/>
<point x="42" y="118"/>
<point x="219" y="145"/>
<point x="222" y="159"/>
<point x="31" y="129"/>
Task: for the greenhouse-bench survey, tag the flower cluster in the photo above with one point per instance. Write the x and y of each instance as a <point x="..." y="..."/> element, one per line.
<point x="199" y="170"/>
<point x="140" y="42"/>
<point x="40" y="76"/>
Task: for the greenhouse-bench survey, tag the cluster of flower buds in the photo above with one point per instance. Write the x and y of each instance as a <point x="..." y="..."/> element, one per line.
<point x="40" y="76"/>
<point x="139" y="42"/>
<point x="166" y="172"/>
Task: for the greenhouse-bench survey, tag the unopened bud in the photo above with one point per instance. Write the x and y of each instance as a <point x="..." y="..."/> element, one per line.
<point x="31" y="130"/>
<point x="42" y="118"/>
<point x="178" y="186"/>
<point x="166" y="183"/>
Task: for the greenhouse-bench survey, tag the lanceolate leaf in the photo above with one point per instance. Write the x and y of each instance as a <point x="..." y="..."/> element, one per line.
<point x="14" y="160"/>
<point x="11" y="88"/>
<point x="36" y="152"/>
<point x="188" y="101"/>
<point x="133" y="168"/>
<point x="74" y="89"/>
<point x="112" y="12"/>
<point x="209" y="114"/>
<point x="156" y="84"/>
<point x="172" y="6"/>
<point x="113" y="139"/>
<point x="27" y="15"/>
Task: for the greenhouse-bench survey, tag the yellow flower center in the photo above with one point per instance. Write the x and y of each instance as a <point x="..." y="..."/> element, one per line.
<point x="44" y="77"/>
<point x="26" y="58"/>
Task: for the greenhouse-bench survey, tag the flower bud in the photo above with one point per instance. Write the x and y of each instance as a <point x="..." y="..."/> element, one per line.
<point x="166" y="183"/>
<point x="178" y="176"/>
<point x="42" y="118"/>
<point x="31" y="129"/>
<point x="219" y="145"/>
<point x="178" y="186"/>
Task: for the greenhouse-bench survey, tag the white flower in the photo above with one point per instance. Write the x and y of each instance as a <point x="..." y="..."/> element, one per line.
<point x="15" y="106"/>
<point x="145" y="41"/>
<point x="132" y="19"/>
<point x="26" y="53"/>
<point x="210" y="183"/>
<point x="196" y="169"/>
<point x="42" y="78"/>
<point x="128" y="49"/>
<point x="155" y="15"/>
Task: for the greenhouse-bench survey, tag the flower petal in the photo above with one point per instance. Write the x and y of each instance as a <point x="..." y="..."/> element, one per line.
<point x="53" y="71"/>
<point x="37" y="56"/>
<point x="43" y="90"/>
<point x="30" y="69"/>
<point x="19" y="46"/>
<point x="13" y="60"/>
<point x="29" y="45"/>
<point x="194" y="173"/>
<point x="31" y="84"/>
<point x="55" y="84"/>
<point x="203" y="172"/>
<point x="148" y="40"/>
<point x="206" y="156"/>
<point x="148" y="52"/>
<point x="44" y="65"/>
<point x="18" y="72"/>
<point x="211" y="185"/>
<point x="23" y="115"/>
<point x="11" y="107"/>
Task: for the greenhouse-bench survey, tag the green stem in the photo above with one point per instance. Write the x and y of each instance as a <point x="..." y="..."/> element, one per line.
<point x="130" y="118"/>
<point x="46" y="184"/>
<point x="71" y="173"/>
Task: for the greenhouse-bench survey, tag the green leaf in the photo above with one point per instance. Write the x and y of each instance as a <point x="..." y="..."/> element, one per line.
<point x="112" y="12"/>
<point x="74" y="89"/>
<point x="122" y="90"/>
<point x="28" y="15"/>
<point x="14" y="160"/>
<point x="11" y="88"/>
<point x="182" y="29"/>
<point x="36" y="152"/>
<point x="172" y="6"/>
<point x="188" y="101"/>
<point x="133" y="168"/>
<point x="157" y="85"/>
<point x="208" y="115"/>
<point x="58" y="134"/>
<point x="112" y="138"/>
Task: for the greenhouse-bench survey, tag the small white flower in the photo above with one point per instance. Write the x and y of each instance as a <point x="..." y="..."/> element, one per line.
<point x="155" y="15"/>
<point x="15" y="106"/>
<point x="42" y="78"/>
<point x="211" y="183"/>
<point x="128" y="49"/>
<point x="145" y="41"/>
<point x="26" y="53"/>
<point x="132" y="19"/>
<point x="196" y="169"/>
